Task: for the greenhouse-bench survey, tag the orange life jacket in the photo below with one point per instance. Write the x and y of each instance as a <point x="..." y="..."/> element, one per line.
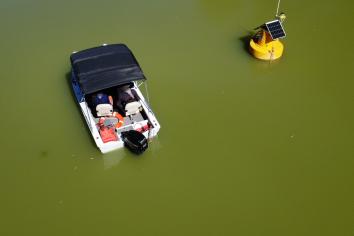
<point x="108" y="134"/>
<point x="115" y="115"/>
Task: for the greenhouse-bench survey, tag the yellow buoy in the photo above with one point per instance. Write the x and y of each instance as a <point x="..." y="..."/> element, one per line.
<point x="263" y="47"/>
<point x="265" y="44"/>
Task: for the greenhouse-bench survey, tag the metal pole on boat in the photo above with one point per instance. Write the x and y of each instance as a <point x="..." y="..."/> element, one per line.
<point x="148" y="99"/>
<point x="147" y="92"/>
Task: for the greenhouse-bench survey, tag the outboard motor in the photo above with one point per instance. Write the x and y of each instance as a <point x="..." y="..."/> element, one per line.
<point x="135" y="141"/>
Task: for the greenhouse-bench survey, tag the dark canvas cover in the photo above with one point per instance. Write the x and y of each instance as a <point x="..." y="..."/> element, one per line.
<point x="104" y="67"/>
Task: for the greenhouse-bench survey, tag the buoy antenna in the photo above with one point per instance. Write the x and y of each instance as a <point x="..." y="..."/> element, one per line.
<point x="276" y="15"/>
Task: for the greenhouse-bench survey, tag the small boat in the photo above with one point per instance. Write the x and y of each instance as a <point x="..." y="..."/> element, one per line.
<point x="265" y="44"/>
<point x="106" y="81"/>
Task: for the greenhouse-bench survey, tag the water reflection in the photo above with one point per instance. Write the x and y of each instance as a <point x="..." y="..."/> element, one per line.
<point x="112" y="159"/>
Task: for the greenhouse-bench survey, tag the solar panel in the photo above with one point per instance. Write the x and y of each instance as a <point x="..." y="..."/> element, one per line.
<point x="275" y="29"/>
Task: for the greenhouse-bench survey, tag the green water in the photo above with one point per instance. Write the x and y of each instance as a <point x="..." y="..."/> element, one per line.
<point x="246" y="147"/>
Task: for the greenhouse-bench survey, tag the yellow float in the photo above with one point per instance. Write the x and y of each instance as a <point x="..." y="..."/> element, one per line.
<point x="265" y="44"/>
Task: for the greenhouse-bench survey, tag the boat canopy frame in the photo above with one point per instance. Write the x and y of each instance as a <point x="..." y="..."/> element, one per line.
<point x="104" y="67"/>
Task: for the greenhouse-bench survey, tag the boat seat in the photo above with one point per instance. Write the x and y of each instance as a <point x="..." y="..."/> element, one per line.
<point x="132" y="108"/>
<point x="104" y="110"/>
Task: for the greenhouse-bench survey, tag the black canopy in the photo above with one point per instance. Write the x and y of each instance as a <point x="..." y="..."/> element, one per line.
<point x="104" y="67"/>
